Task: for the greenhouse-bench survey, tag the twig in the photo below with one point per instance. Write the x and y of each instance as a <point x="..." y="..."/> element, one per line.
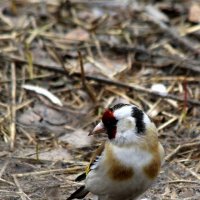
<point x="173" y="119"/>
<point x="179" y="148"/>
<point x="3" y="170"/>
<point x="13" y="109"/>
<point x="177" y="61"/>
<point x="11" y="193"/>
<point x="22" y="194"/>
<point x="67" y="170"/>
<point x="184" y="63"/>
<point x="173" y="153"/>
<point x="136" y="88"/>
<point x="4" y="167"/>
<point x="84" y="82"/>
<point x="31" y="140"/>
<point x="175" y="78"/>
<point x="27" y="79"/>
<point x="5" y="181"/>
<point x="194" y="174"/>
<point x="183" y="181"/>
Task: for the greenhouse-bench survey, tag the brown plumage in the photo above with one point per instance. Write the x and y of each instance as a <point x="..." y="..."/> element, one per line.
<point x="117" y="171"/>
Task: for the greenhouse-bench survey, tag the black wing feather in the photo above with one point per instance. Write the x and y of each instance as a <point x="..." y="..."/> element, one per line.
<point x="81" y="177"/>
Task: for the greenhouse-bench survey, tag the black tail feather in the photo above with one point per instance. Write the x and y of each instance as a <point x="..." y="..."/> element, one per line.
<point x="79" y="194"/>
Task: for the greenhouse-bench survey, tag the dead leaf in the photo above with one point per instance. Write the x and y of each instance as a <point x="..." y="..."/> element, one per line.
<point x="78" y="138"/>
<point x="45" y="121"/>
<point x="194" y="13"/>
<point x="77" y="34"/>
<point x="155" y="12"/>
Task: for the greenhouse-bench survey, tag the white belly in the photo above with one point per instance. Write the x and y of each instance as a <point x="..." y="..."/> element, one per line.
<point x="99" y="183"/>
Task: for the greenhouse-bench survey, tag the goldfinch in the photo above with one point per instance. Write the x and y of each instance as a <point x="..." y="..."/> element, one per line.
<point x="128" y="162"/>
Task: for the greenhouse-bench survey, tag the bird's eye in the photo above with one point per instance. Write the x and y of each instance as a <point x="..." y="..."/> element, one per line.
<point x="108" y="119"/>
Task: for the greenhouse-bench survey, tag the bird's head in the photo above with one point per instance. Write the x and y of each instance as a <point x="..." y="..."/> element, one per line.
<point x="124" y="123"/>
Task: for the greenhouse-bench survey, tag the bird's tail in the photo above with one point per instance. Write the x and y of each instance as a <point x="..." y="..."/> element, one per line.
<point x="79" y="194"/>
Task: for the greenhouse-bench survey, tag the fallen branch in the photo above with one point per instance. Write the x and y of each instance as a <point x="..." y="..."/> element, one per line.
<point x="136" y="88"/>
<point x="184" y="63"/>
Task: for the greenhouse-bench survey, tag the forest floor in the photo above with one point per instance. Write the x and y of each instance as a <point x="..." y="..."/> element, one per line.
<point x="63" y="62"/>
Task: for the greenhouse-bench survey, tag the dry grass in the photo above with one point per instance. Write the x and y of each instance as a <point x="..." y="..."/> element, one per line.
<point x="91" y="54"/>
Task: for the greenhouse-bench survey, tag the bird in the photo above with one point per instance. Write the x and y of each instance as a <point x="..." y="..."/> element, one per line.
<point x="128" y="161"/>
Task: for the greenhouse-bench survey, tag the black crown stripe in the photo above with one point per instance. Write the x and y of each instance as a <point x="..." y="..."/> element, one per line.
<point x="119" y="105"/>
<point x="139" y="119"/>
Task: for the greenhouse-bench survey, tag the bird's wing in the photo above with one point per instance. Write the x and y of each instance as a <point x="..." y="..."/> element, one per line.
<point x="82" y="191"/>
<point x="95" y="158"/>
<point x="93" y="163"/>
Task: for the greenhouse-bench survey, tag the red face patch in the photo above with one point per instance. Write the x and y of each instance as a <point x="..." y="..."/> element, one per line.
<point x="110" y="123"/>
<point x="108" y="116"/>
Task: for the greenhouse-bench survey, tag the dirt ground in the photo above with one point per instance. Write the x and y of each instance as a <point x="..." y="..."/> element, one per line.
<point x="63" y="62"/>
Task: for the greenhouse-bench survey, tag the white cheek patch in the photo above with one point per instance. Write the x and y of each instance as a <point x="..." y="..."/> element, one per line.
<point x="126" y="124"/>
<point x="126" y="131"/>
